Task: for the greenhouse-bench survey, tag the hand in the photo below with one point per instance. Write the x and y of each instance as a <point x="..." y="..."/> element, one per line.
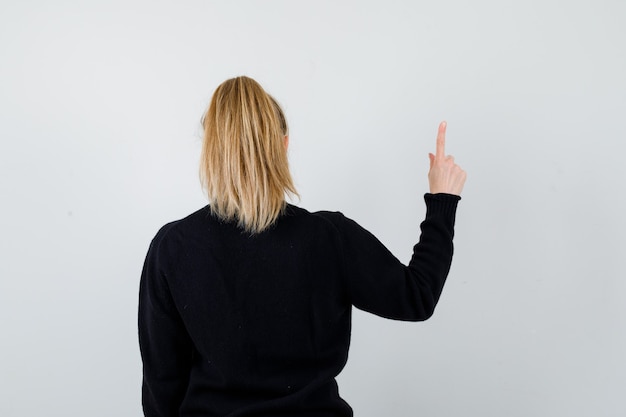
<point x="444" y="176"/>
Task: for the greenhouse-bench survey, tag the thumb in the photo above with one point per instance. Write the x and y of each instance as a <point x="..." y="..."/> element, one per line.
<point x="432" y="159"/>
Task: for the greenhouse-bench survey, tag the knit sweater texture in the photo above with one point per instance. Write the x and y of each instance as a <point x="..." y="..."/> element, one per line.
<point x="237" y="325"/>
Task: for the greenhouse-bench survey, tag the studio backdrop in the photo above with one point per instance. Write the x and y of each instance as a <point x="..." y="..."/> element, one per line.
<point x="100" y="109"/>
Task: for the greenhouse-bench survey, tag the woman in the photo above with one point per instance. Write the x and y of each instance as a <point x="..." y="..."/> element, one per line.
<point x="245" y="305"/>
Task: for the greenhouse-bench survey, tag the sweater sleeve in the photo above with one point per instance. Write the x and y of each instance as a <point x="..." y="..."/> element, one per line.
<point x="166" y="348"/>
<point x="377" y="282"/>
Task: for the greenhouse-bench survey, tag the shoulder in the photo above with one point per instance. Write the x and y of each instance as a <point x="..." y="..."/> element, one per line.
<point x="178" y="229"/>
<point x="332" y="219"/>
<point x="334" y="223"/>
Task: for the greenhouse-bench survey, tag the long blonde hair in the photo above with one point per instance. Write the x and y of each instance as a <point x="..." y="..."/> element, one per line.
<point x="243" y="165"/>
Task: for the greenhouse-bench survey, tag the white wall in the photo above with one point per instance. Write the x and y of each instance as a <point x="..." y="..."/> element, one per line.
<point x="99" y="140"/>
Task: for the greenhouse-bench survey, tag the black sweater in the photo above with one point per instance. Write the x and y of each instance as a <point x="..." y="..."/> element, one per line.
<point x="238" y="325"/>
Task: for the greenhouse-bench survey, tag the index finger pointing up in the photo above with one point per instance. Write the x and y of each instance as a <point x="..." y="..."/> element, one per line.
<point x="441" y="141"/>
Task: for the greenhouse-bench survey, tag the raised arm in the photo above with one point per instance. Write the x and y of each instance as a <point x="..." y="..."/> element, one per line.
<point x="377" y="281"/>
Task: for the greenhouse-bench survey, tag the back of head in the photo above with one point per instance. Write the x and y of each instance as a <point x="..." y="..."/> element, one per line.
<point x="243" y="165"/>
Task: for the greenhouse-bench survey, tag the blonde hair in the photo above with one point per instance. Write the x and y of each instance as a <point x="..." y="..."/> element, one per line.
<point x="243" y="165"/>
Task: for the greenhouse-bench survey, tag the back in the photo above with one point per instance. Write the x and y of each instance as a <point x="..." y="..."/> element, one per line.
<point x="233" y="324"/>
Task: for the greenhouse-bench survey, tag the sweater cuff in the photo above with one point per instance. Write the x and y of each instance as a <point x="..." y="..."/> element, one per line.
<point x="441" y="204"/>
